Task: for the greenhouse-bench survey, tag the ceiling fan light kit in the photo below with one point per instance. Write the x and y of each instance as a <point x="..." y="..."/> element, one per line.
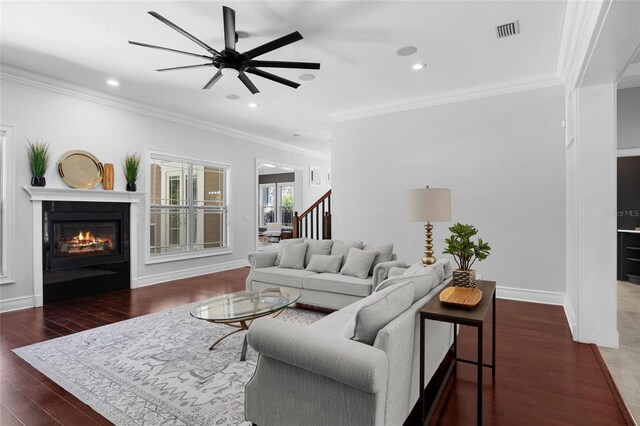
<point x="230" y="62"/>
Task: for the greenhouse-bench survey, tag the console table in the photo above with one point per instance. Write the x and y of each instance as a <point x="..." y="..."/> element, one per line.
<point x="436" y="311"/>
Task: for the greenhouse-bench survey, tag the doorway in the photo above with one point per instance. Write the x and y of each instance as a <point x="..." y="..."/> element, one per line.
<point x="279" y="196"/>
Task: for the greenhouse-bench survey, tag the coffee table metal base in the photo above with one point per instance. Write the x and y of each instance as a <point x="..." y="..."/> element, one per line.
<point x="241" y="326"/>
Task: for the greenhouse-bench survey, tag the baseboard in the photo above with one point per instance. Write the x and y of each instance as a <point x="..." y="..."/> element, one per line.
<point x="15" y="304"/>
<point x="535" y="296"/>
<point x="571" y="319"/>
<point x="186" y="273"/>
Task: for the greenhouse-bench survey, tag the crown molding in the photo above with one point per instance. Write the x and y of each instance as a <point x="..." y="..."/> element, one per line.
<point x="27" y="78"/>
<point x="579" y="23"/>
<point x="477" y="92"/>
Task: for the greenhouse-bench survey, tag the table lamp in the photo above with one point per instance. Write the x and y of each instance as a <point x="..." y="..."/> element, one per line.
<point x="428" y="205"/>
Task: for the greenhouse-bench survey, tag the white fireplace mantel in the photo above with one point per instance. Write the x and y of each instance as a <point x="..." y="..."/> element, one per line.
<point x="91" y="195"/>
<point x="39" y="194"/>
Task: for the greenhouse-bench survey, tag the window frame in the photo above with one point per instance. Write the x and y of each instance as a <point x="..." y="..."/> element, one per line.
<point x="189" y="253"/>
<point x="7" y="205"/>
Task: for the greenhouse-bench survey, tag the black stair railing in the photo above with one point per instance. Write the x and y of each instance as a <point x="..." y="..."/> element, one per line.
<point x="315" y="222"/>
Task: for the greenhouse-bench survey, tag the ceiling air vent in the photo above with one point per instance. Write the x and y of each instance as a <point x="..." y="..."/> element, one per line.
<point x="506" y="30"/>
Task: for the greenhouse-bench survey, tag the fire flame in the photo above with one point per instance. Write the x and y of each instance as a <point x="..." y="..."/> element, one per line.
<point x="85" y="236"/>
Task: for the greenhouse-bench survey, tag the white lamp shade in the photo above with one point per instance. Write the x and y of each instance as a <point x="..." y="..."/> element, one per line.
<point x="428" y="205"/>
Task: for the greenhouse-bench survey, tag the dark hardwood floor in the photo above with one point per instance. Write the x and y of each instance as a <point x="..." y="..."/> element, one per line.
<point x="542" y="376"/>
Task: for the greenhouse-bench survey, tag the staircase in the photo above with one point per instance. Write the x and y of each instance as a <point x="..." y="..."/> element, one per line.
<point x="315" y="222"/>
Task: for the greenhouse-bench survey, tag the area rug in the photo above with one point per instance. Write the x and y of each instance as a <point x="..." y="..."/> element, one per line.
<point x="156" y="369"/>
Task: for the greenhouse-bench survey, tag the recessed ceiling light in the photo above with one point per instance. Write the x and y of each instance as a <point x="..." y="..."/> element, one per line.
<point x="253" y="105"/>
<point x="406" y="51"/>
<point x="233" y="97"/>
<point x="271" y="166"/>
<point x="307" y="77"/>
<point x="419" y="66"/>
<point x="113" y="82"/>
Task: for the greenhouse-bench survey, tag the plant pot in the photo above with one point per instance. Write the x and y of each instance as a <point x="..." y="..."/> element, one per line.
<point x="131" y="187"/>
<point x="38" y="181"/>
<point x="464" y="278"/>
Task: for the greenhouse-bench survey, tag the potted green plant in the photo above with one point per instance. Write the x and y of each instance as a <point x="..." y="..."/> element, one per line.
<point x="131" y="166"/>
<point x="38" y="156"/>
<point x="465" y="252"/>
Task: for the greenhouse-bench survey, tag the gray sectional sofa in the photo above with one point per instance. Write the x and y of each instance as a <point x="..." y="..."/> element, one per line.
<point x="333" y="290"/>
<point x="356" y="366"/>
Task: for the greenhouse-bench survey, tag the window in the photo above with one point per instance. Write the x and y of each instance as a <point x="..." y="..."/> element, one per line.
<point x="7" y="205"/>
<point x="276" y="203"/>
<point x="2" y="216"/>
<point x="188" y="206"/>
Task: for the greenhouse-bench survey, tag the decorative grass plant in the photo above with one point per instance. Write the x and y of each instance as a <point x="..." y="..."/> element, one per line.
<point x="38" y="155"/>
<point x="131" y="166"/>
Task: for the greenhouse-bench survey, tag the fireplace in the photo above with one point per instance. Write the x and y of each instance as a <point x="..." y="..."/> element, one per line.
<point x="85" y="249"/>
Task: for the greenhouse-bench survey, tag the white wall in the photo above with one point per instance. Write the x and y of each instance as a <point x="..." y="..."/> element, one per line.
<point x="108" y="132"/>
<point x="502" y="157"/>
<point x="629" y="118"/>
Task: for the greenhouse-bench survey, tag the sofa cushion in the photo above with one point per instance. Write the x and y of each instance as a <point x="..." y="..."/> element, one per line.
<point x="333" y="323"/>
<point x="424" y="280"/>
<point x="385" y="253"/>
<point x="376" y="311"/>
<point x="283" y="243"/>
<point x="281" y="276"/>
<point x="343" y="247"/>
<point x="293" y="256"/>
<point x="342" y="284"/>
<point x="317" y="247"/>
<point x="447" y="267"/>
<point x="358" y="263"/>
<point x="324" y="263"/>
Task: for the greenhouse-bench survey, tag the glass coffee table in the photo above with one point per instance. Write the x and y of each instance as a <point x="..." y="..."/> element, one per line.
<point x="241" y="308"/>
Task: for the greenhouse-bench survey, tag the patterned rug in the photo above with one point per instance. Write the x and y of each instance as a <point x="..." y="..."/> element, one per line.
<point x="155" y="369"/>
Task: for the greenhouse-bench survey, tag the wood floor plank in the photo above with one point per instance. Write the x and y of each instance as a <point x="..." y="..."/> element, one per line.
<point x="23" y="407"/>
<point x="7" y="418"/>
<point x="46" y="398"/>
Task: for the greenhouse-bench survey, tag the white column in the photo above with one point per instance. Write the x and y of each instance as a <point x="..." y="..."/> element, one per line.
<point x="595" y="168"/>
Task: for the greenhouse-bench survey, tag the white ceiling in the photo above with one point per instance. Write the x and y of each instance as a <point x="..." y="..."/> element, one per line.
<point x="85" y="43"/>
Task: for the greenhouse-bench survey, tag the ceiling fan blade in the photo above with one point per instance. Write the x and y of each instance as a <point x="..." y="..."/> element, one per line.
<point x="229" y="17"/>
<point x="184" y="33"/>
<point x="272" y="77"/>
<point x="273" y="45"/>
<point x="170" y="50"/>
<point x="185" y="67"/>
<point x="245" y="80"/>
<point x="213" y="80"/>
<point x="285" y="64"/>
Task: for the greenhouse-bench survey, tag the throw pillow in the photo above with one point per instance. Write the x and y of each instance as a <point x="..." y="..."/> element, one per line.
<point x="425" y="280"/>
<point x="343" y="247"/>
<point x="374" y="312"/>
<point x="385" y="253"/>
<point x="317" y="247"/>
<point x="358" y="263"/>
<point x="293" y="256"/>
<point x="322" y="263"/>
<point x="283" y="243"/>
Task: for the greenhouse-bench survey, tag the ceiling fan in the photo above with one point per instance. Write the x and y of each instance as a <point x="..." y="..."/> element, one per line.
<point x="229" y="61"/>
